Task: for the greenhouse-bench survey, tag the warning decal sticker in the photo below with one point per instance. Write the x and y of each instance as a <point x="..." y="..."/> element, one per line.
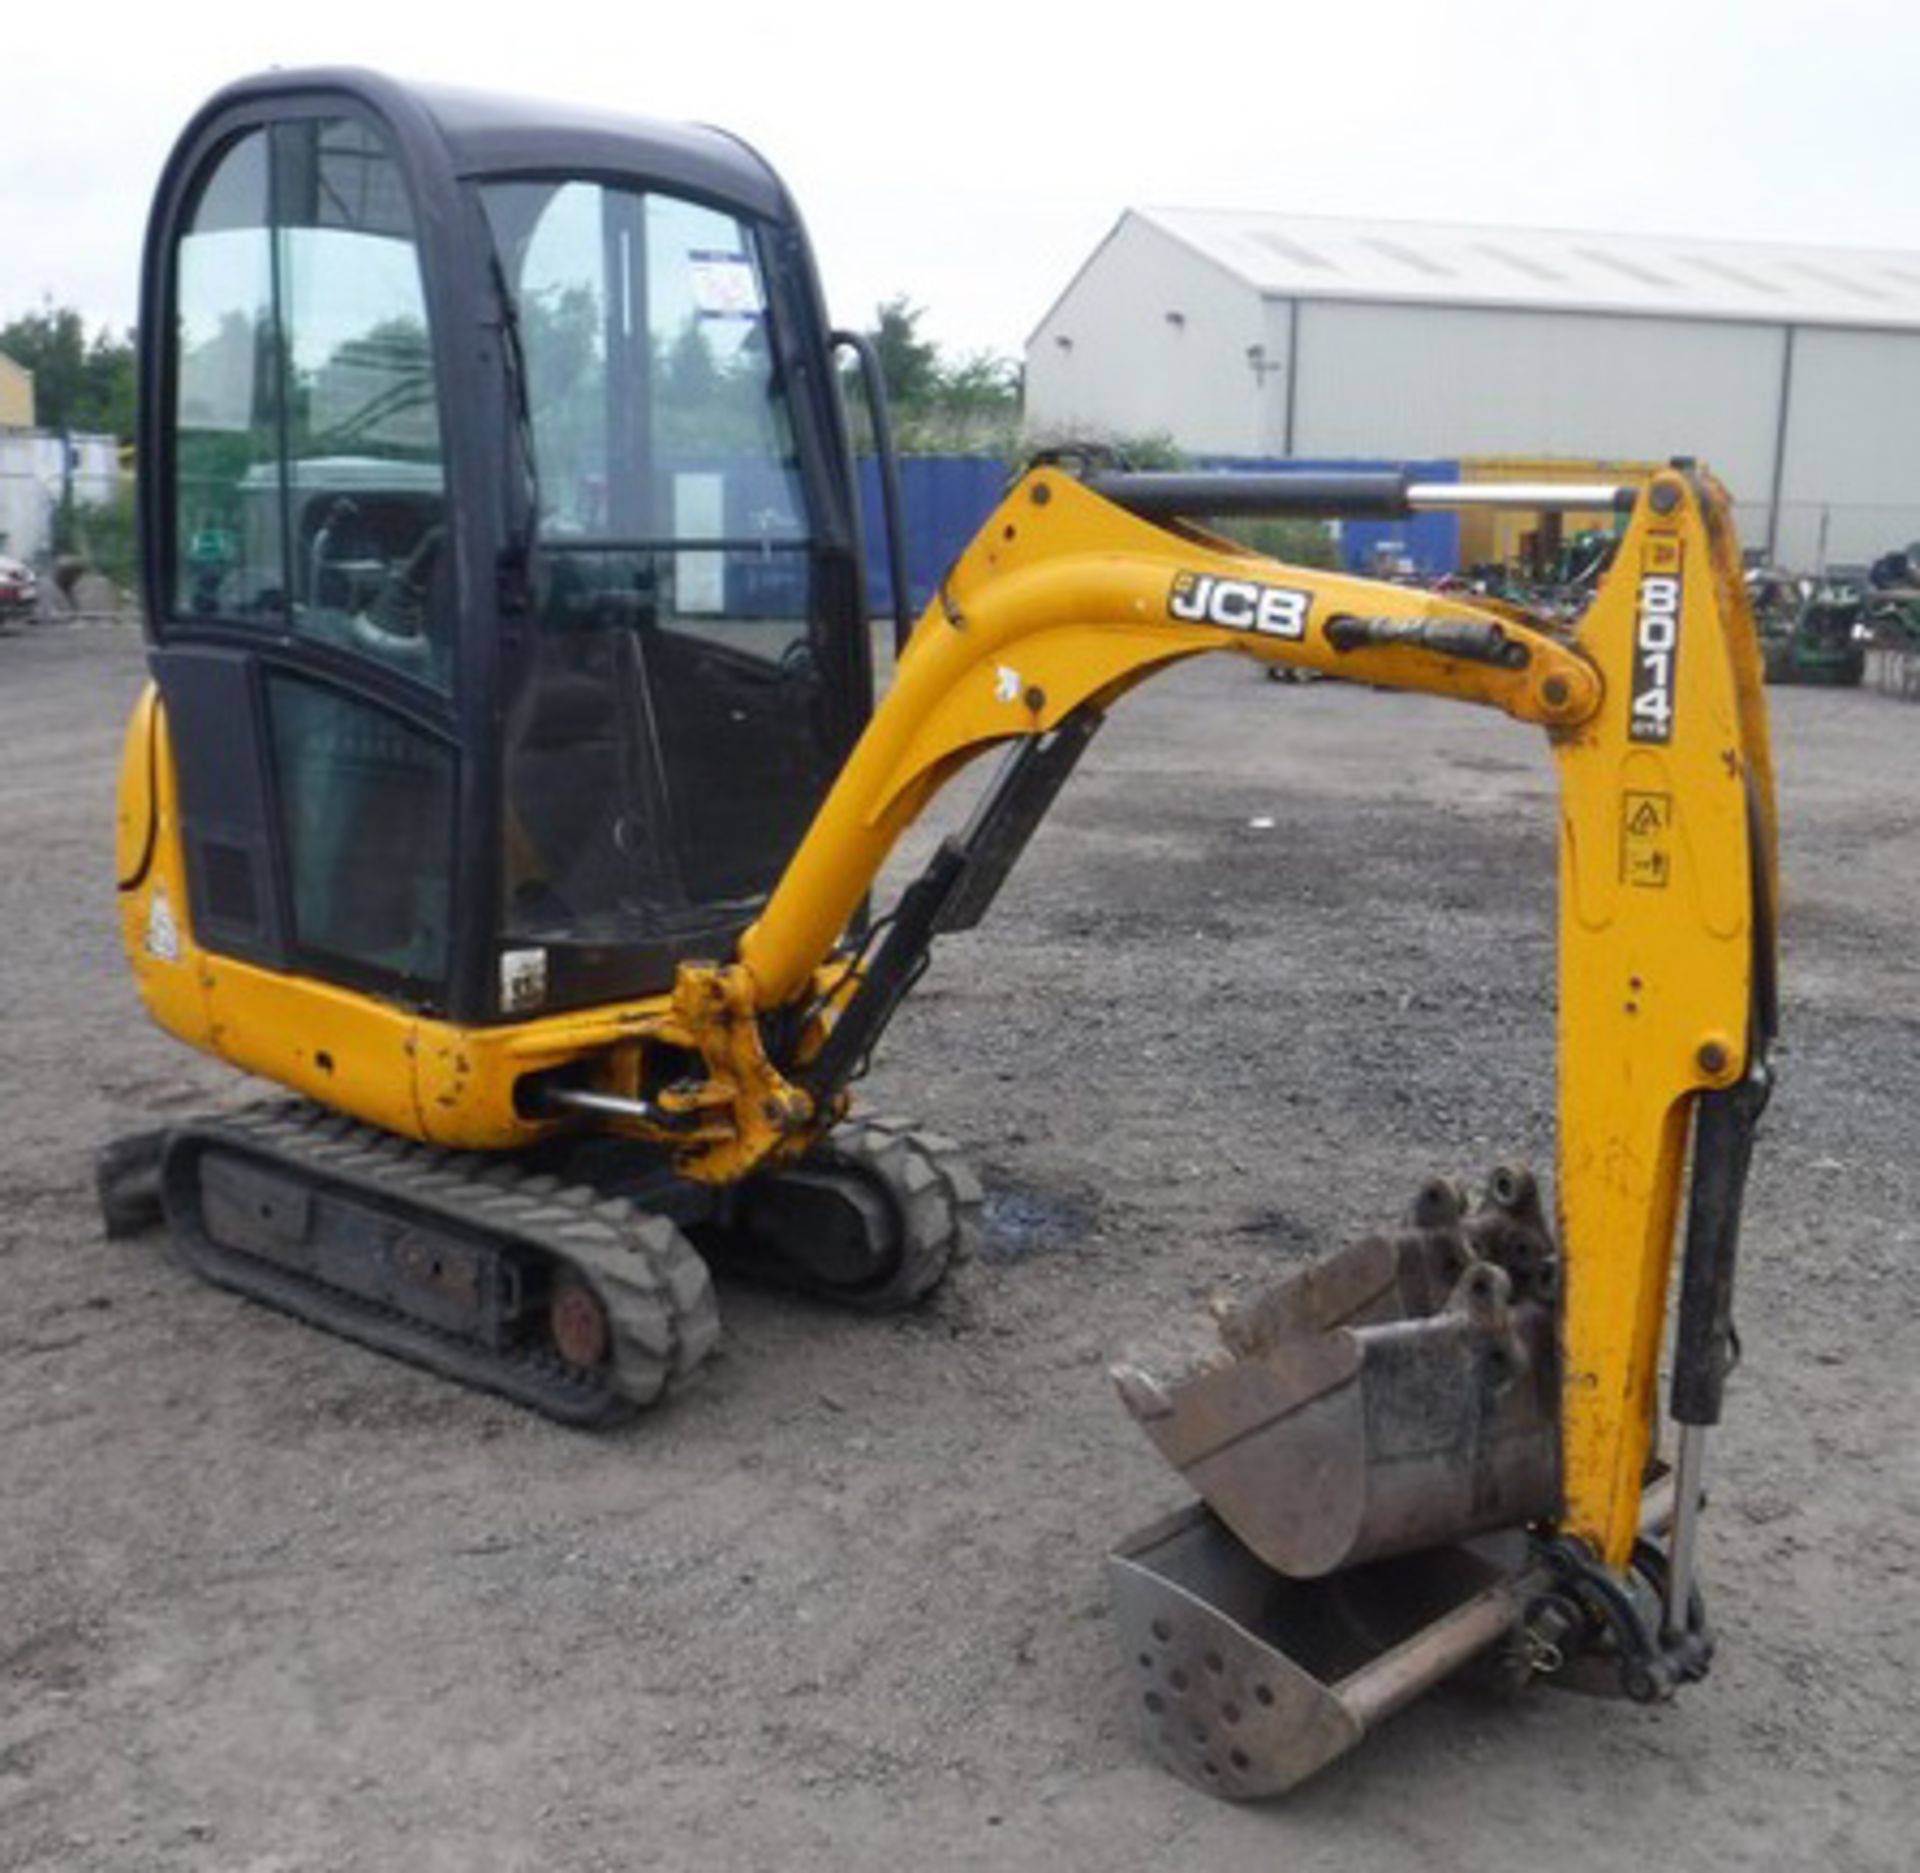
<point x="724" y="286"/>
<point x="1646" y="840"/>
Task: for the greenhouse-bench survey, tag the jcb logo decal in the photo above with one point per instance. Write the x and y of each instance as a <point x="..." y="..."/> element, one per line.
<point x="1656" y="654"/>
<point x="1239" y="604"/>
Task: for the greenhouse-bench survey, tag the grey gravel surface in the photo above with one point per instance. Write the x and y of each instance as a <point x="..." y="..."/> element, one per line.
<point x="269" y="1602"/>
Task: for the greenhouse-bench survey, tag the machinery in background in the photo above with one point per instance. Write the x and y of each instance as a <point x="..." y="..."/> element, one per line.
<point x="1811" y="630"/>
<point x="1890" y="620"/>
<point x="1555" y="579"/>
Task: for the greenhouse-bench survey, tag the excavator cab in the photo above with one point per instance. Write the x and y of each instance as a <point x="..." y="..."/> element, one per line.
<point x="501" y="563"/>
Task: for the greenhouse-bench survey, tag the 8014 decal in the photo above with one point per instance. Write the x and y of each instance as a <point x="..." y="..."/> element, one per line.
<point x="1656" y="657"/>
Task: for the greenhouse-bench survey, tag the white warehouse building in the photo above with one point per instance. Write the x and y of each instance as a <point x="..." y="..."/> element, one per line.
<point x="1794" y="372"/>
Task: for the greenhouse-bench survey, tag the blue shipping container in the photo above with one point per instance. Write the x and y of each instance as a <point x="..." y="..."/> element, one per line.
<point x="945" y="498"/>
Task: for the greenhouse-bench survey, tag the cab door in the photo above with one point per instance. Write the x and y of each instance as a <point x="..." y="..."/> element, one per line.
<point x="304" y="620"/>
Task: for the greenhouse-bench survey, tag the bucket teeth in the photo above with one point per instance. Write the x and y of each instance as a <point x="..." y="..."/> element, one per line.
<point x="1140" y="1392"/>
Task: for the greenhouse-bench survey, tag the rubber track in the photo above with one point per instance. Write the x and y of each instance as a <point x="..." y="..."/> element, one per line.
<point x="655" y="1288"/>
<point x="935" y="1196"/>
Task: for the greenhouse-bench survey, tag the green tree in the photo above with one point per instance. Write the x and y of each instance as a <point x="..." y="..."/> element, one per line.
<point x="983" y="385"/>
<point x="102" y="533"/>
<point x="562" y="340"/>
<point x="940" y="408"/>
<point x="112" y="386"/>
<point x="1109" y="447"/>
<point x="1294" y="542"/>
<point x="79" y="383"/>
<point x="377" y="394"/>
<point x="909" y="364"/>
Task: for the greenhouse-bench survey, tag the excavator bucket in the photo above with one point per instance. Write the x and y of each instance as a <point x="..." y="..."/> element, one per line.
<point x="1248" y="1682"/>
<point x="1365" y="1420"/>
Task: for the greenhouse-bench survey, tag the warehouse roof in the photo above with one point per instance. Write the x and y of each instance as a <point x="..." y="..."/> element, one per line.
<point x="1323" y="257"/>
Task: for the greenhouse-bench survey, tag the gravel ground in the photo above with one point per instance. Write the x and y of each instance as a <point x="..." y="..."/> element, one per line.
<point x="270" y="1602"/>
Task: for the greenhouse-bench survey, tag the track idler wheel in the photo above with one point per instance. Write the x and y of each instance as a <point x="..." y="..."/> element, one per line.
<point x="872" y="1218"/>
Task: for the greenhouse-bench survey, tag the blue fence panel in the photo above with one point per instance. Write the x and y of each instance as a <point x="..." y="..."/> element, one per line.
<point x="1431" y="541"/>
<point x="944" y="498"/>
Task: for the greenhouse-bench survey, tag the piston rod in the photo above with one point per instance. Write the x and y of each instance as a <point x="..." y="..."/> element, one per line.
<point x="1689" y="1477"/>
<point x="1542" y="497"/>
<point x="604" y="1105"/>
<point x="1333" y="494"/>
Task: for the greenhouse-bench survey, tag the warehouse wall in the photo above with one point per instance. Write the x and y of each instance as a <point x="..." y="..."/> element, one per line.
<point x="1850" y="489"/>
<point x="1126" y="368"/>
<point x="1427" y="380"/>
<point x="33" y="470"/>
<point x="1443" y="380"/>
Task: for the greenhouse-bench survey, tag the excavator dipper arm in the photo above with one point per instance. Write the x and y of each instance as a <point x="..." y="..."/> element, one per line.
<point x="1667" y="911"/>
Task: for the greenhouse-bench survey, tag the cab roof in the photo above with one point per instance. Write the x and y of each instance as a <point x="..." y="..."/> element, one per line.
<point x="484" y="133"/>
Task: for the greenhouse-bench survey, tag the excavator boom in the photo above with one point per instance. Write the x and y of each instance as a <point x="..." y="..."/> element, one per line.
<point x="1066" y="600"/>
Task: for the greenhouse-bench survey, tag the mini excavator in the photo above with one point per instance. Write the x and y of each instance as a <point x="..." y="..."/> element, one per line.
<point x="510" y="791"/>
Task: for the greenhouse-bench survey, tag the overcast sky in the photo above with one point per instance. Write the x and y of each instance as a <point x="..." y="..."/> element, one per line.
<point x="972" y="155"/>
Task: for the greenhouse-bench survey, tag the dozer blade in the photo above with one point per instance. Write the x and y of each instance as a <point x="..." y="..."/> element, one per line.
<point x="1366" y="1419"/>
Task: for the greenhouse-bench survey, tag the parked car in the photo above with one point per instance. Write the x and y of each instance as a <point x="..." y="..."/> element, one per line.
<point x="19" y="590"/>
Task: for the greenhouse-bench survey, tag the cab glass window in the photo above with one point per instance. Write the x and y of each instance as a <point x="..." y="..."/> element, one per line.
<point x="658" y="414"/>
<point x="667" y="744"/>
<point x="366" y="805"/>
<point x="229" y="554"/>
<point x="309" y="488"/>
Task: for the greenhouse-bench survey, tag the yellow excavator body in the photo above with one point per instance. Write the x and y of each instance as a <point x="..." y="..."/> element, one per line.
<point x="636" y="1059"/>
